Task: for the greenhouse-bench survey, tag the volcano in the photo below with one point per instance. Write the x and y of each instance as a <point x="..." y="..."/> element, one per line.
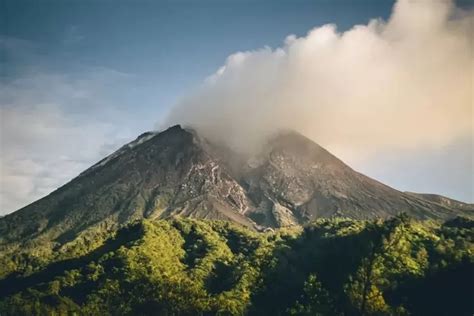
<point x="178" y="173"/>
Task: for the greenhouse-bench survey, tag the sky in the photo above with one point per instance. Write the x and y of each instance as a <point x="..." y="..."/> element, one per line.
<point x="78" y="79"/>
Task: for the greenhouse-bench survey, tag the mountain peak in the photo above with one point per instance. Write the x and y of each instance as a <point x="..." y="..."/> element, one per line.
<point x="173" y="129"/>
<point x="302" y="148"/>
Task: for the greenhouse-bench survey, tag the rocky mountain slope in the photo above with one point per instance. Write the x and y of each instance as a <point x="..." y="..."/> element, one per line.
<point x="445" y="201"/>
<point x="178" y="173"/>
<point x="296" y="181"/>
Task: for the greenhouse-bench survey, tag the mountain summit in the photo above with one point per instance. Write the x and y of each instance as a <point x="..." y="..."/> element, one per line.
<point x="292" y="180"/>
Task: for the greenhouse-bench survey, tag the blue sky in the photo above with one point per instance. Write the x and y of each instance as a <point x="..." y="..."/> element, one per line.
<point x="164" y="47"/>
<point x="80" y="78"/>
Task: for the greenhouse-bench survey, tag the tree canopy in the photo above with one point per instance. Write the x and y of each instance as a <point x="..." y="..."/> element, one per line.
<point x="195" y="267"/>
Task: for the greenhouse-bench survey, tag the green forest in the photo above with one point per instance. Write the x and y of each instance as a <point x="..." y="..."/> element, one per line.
<point x="333" y="266"/>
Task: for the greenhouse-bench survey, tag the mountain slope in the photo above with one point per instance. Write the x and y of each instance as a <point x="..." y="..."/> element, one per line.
<point x="166" y="174"/>
<point x="295" y="180"/>
<point x="178" y="173"/>
<point x="445" y="201"/>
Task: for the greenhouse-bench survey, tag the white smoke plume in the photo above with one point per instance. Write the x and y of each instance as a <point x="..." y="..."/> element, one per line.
<point x="401" y="83"/>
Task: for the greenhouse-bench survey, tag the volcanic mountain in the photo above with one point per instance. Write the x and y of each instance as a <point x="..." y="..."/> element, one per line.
<point x="292" y="180"/>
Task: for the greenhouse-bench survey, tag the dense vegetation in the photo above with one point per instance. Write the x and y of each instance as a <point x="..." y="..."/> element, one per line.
<point x="194" y="267"/>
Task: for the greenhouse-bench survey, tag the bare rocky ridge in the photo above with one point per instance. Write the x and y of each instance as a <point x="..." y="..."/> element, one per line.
<point x="445" y="201"/>
<point x="177" y="173"/>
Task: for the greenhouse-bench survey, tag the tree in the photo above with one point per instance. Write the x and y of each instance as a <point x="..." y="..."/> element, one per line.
<point x="315" y="300"/>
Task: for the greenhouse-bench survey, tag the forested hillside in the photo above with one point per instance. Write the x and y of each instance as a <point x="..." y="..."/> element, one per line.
<point x="196" y="267"/>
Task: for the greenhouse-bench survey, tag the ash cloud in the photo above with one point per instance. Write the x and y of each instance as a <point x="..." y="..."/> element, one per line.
<point x="401" y="83"/>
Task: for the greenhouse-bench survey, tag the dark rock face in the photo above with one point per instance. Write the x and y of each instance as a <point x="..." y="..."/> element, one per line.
<point x="177" y="173"/>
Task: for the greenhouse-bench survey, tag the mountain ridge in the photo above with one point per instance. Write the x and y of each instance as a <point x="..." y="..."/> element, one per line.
<point x="443" y="200"/>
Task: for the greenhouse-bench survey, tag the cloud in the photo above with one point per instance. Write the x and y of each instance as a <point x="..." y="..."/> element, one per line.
<point x="73" y="35"/>
<point x="53" y="126"/>
<point x="401" y="83"/>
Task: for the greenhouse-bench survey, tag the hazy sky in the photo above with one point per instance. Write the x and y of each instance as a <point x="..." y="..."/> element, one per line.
<point x="80" y="78"/>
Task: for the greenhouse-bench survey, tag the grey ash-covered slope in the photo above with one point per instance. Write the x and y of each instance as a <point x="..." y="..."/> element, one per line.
<point x="296" y="181"/>
<point x="178" y="173"/>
